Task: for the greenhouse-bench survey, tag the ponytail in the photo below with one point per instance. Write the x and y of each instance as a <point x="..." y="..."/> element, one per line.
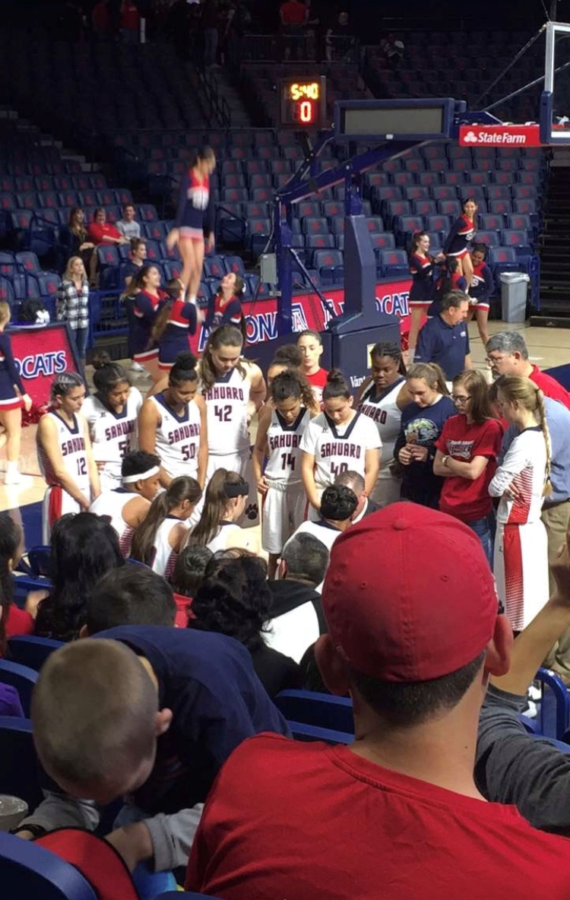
<point x="179" y="489"/>
<point x="546" y="435"/>
<point x="161" y="321"/>
<point x="216" y="505"/>
<point x="516" y="388"/>
<point x="432" y="374"/>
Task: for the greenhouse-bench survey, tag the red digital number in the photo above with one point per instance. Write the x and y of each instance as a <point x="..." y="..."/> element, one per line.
<point x="306" y="112"/>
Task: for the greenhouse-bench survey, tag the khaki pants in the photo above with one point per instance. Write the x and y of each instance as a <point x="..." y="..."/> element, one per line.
<point x="556" y="519"/>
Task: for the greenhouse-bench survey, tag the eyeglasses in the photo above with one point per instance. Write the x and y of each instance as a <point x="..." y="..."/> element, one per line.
<point x="460" y="399"/>
<point x="493" y="360"/>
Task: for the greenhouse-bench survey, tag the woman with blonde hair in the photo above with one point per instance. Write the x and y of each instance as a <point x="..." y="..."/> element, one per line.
<point x="73" y="303"/>
<point x="466" y="457"/>
<point x="522" y="481"/>
<point x="422" y="423"/>
<point x="12" y="397"/>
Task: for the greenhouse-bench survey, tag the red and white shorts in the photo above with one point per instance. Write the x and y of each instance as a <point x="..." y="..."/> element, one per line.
<point x="191" y="234"/>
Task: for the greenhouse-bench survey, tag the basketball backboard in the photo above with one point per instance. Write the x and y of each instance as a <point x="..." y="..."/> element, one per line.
<point x="555" y="101"/>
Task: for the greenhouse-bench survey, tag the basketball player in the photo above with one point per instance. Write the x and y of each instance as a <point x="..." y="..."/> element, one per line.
<point x="161" y="535"/>
<point x="311" y="346"/>
<point x="382" y="401"/>
<point x="226" y="496"/>
<point x="173" y="424"/>
<point x="234" y="389"/>
<point x="125" y="507"/>
<point x="279" y="440"/>
<point x="337" y="440"/>
<point x="111" y="414"/>
<point x="461" y="233"/>
<point x="64" y="453"/>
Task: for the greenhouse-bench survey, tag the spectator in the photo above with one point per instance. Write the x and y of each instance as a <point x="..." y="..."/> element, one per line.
<point x="188" y="575"/>
<point x="234" y="600"/>
<point x="339" y="39"/>
<point x="74" y="240"/>
<point x="151" y="714"/>
<point x="130" y="26"/>
<point x="338" y="506"/>
<point x="297" y="617"/>
<point x="83" y="548"/>
<point x="507" y="354"/>
<point x="137" y="259"/>
<point x="522" y="481"/>
<point x="209" y="24"/>
<point x="444" y="339"/>
<point x="73" y="304"/>
<point x="126" y="507"/>
<point x="102" y="232"/>
<point x="293" y="17"/>
<point x="415" y="645"/>
<point x="466" y="458"/>
<point x="133" y="595"/>
<point x="422" y="423"/>
<point x="355" y="482"/>
<point x="393" y="49"/>
<point x="13" y="621"/>
<point x="128" y="227"/>
<point x="101" y="18"/>
<point x="226" y="497"/>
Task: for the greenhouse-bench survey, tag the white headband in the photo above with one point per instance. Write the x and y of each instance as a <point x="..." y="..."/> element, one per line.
<point x="130" y="479"/>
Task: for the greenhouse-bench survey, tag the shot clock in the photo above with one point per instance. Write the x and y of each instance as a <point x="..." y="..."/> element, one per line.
<point x="303" y="102"/>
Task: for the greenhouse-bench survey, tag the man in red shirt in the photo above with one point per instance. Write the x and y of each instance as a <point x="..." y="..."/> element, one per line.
<point x="102" y="232"/>
<point x="293" y="16"/>
<point x="414" y="635"/>
<point x="507" y="354"/>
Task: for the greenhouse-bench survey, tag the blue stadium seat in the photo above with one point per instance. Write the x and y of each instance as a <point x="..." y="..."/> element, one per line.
<point x="261" y="195"/>
<point x="88" y="198"/>
<point x="308" y="209"/>
<point x="503" y="259"/>
<point x="320" y="241"/>
<point x="404" y="178"/>
<point x="68" y="198"/>
<point x="146" y="212"/>
<point x="48" y="283"/>
<point x="394" y="263"/>
<point x="214" y="267"/>
<point x="383" y="241"/>
<point x="24" y="201"/>
<point x="25" y="183"/>
<point x="519" y="240"/>
<point x="423" y="207"/>
<point x="417" y="192"/>
<point x="406" y="225"/>
<point x="108" y="256"/>
<point x="172" y="269"/>
<point x="438" y="222"/>
<point x="374" y="224"/>
<point x="257" y="210"/>
<point x="500" y="207"/>
<point x="429" y="179"/>
<point x="31" y="651"/>
<point x="526" y="206"/>
<point x="20" y="677"/>
<point x="28" y="870"/>
<point x="233" y="180"/>
<point x="28" y="261"/>
<point x="519" y="222"/>
<point x="449" y="208"/>
<point x="313" y="708"/>
<point x="315" y="225"/>
<point x="330" y="265"/>
<point x="491" y="238"/>
<point x="333" y="208"/>
<point x="235" y="264"/>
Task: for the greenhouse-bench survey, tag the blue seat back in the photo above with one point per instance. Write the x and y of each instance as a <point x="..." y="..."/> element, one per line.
<point x="29" y="871"/>
<point x="31" y="651"/>
<point x="20" y="677"/>
<point x="313" y="708"/>
<point x="19" y="766"/>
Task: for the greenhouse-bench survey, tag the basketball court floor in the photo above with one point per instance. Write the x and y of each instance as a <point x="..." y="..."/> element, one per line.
<point x="547" y="347"/>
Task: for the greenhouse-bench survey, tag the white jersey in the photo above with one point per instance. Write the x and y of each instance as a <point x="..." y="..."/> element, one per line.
<point x="178" y="438"/>
<point x="339" y="448"/>
<point x="225" y="538"/>
<point x="284" y="443"/>
<point x="72" y="447"/>
<point x="164" y="557"/>
<point x="112" y="435"/>
<point x="387" y="417"/>
<point x="110" y="505"/>
<point x="226" y="403"/>
<point x="524" y="466"/>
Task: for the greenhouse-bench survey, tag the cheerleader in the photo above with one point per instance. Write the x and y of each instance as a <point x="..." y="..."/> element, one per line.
<point x="174" y="324"/>
<point x="521" y="481"/>
<point x="461" y="233"/>
<point x="382" y="399"/>
<point x="64" y="453"/>
<point x="160" y="537"/>
<point x="111" y="414"/>
<point x="173" y="424"/>
<point x="422" y="270"/>
<point x="126" y="507"/>
<point x="310" y="344"/>
<point x="482" y="286"/>
<point x="279" y="440"/>
<point x="194" y="220"/>
<point x="449" y="280"/>
<point x="225" y="307"/>
<point x="142" y="308"/>
<point x="337" y="440"/>
<point x="226" y="497"/>
<point x="12" y="397"/>
<point x="234" y="389"/>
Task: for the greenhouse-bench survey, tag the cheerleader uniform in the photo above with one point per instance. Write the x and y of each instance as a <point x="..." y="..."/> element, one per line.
<point x="177" y="438"/>
<point x="461" y="233"/>
<point x="386" y="415"/>
<point x="9" y="376"/>
<point x="163" y="556"/>
<point x="112" y="434"/>
<point x="218" y="315"/>
<point x="109" y="506"/>
<point x="338" y="448"/>
<point x="175" y="339"/>
<point x="285" y="503"/>
<point x="482" y="286"/>
<point x="57" y="502"/>
<point x="195" y="216"/>
<point x="521" y="546"/>
<point x="421" y="269"/>
<point x="456" y="283"/>
<point x="228" y="434"/>
<point x="142" y="310"/>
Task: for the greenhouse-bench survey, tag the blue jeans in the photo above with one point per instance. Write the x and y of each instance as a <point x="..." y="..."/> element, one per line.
<point x="485" y="531"/>
<point x="81" y="336"/>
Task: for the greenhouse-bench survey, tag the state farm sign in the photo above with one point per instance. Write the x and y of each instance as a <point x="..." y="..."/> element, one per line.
<point x="499" y="136"/>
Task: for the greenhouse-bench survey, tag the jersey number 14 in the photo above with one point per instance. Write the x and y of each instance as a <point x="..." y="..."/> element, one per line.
<point x="288" y="461"/>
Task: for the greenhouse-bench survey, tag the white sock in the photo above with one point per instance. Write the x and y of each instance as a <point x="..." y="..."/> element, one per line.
<point x="12" y="467"/>
<point x="192" y="299"/>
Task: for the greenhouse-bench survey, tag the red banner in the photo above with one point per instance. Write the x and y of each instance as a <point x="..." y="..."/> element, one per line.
<point x="41" y="353"/>
<point x="309" y="312"/>
<point x="499" y="136"/>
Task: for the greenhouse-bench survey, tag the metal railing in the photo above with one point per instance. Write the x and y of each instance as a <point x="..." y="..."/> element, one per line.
<point x="215" y="103"/>
<point x="311" y="46"/>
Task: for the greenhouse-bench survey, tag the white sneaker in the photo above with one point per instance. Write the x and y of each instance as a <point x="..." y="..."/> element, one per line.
<point x="136" y="367"/>
<point x="12" y="477"/>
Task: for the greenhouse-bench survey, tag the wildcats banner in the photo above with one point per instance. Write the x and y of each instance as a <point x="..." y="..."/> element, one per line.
<point x="499" y="136"/>
<point x="310" y="312"/>
<point x="41" y="354"/>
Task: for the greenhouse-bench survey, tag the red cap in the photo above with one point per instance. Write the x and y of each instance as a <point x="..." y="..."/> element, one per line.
<point x="409" y="595"/>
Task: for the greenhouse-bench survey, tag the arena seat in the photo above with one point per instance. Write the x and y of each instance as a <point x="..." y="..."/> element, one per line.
<point x="31" y="651"/>
<point x="28" y="870"/>
<point x="20" y="677"/>
<point x="314" y="708"/>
